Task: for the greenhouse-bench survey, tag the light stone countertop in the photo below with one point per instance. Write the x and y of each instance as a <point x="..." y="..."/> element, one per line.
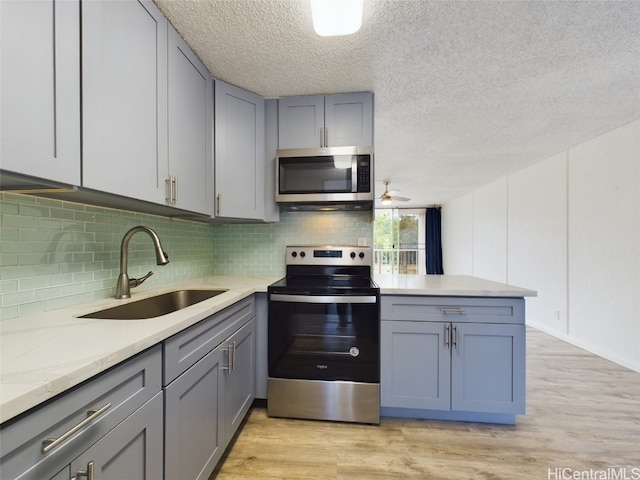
<point x="45" y="354"/>
<point x="447" y="285"/>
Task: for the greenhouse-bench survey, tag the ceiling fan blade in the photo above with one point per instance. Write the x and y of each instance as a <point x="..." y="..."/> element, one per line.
<point x="400" y="199"/>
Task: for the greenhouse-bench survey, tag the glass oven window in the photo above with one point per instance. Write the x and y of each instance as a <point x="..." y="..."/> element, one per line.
<point x="324" y="341"/>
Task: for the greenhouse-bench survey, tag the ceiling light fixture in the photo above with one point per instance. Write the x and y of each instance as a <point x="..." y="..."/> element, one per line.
<point x="336" y="17"/>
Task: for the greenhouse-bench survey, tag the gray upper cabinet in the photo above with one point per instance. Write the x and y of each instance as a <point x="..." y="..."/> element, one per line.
<point x="190" y="129"/>
<point x="326" y="121"/>
<point x="124" y="68"/>
<point x="239" y="153"/>
<point x="40" y="89"/>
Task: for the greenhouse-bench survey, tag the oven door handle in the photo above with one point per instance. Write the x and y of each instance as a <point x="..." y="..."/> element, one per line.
<point x="277" y="297"/>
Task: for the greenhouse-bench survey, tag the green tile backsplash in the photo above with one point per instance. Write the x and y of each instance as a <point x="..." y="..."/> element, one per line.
<point x="55" y="254"/>
<point x="259" y="249"/>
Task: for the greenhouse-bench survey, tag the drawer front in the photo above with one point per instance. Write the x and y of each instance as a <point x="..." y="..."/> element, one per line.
<point x="452" y="309"/>
<point x="185" y="348"/>
<point x="113" y="395"/>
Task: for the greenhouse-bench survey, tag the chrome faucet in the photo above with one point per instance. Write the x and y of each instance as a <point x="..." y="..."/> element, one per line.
<point x="125" y="284"/>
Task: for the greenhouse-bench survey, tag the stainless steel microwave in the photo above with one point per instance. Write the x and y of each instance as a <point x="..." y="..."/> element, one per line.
<point x="338" y="177"/>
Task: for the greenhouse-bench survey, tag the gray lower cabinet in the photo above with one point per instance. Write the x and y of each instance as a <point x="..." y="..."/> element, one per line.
<point x="113" y="423"/>
<point x="210" y="385"/>
<point x="453" y="358"/>
<point x="132" y="450"/>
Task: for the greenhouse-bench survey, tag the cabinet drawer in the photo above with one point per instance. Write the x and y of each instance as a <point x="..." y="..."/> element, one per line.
<point x="452" y="309"/>
<point x="116" y="393"/>
<point x="185" y="348"/>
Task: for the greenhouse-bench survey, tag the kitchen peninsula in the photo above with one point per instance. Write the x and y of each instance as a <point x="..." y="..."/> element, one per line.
<point x="452" y="348"/>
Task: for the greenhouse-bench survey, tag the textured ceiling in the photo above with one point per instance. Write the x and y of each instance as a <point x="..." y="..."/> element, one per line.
<point x="465" y="91"/>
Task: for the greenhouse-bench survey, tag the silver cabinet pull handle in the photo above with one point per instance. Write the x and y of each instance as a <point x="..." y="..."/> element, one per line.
<point x="448" y="310"/>
<point x="454" y="337"/>
<point x="49" y="444"/>
<point x="218" y="204"/>
<point x="85" y="473"/>
<point x="447" y="335"/>
<point x="228" y="350"/>
<point x="233" y="358"/>
<point x="169" y="184"/>
<point x="172" y="188"/>
<point x="175" y="190"/>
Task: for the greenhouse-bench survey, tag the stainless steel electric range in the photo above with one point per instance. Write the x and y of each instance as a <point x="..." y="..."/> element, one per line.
<point x="324" y="336"/>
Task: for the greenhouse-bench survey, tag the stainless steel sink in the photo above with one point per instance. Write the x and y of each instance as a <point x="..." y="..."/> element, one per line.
<point x="155" y="306"/>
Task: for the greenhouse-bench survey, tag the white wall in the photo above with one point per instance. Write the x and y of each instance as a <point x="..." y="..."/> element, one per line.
<point x="537" y="243"/>
<point x="490" y="231"/>
<point x="568" y="227"/>
<point x="457" y="236"/>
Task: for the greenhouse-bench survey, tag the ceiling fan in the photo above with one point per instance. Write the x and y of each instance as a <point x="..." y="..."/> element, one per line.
<point x="389" y="196"/>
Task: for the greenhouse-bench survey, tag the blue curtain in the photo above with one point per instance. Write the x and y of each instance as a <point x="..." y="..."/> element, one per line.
<point x="434" y="242"/>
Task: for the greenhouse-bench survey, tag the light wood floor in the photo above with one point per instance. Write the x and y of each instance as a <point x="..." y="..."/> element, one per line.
<point x="583" y="413"/>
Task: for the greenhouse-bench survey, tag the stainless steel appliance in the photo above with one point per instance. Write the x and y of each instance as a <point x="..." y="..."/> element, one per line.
<point x="338" y="177"/>
<point x="324" y="336"/>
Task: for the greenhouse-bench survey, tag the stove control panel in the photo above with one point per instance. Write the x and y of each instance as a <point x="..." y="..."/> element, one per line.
<point x="328" y="255"/>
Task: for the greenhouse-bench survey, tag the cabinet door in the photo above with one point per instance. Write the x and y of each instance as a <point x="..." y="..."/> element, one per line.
<point x="190" y="129"/>
<point x="488" y="368"/>
<point x="240" y="390"/>
<point x="40" y="89"/>
<point x="415" y="365"/>
<point x="124" y="68"/>
<point x="194" y="419"/>
<point x="132" y="450"/>
<point x="301" y="122"/>
<point x="348" y="119"/>
<point x="240" y="153"/>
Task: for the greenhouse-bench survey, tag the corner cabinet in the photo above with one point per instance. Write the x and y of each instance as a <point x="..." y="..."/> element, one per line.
<point x="326" y="121"/>
<point x="457" y="358"/>
<point x="209" y="387"/>
<point x="239" y="153"/>
<point x="110" y="425"/>
<point x="40" y="89"/>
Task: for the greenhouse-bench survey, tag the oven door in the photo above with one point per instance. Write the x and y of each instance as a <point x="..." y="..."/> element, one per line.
<point x="324" y="337"/>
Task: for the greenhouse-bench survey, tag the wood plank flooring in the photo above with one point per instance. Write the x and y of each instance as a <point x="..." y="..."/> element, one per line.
<point x="583" y="418"/>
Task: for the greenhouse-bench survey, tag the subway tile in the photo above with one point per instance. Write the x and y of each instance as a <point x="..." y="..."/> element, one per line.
<point x="8" y="286"/>
<point x="8" y="312"/>
<point x="18" y="221"/>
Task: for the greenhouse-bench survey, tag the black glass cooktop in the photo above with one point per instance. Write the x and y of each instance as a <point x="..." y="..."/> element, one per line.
<point x="325" y="281"/>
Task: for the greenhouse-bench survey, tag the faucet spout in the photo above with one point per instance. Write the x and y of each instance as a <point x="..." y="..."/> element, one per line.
<point x="124" y="284"/>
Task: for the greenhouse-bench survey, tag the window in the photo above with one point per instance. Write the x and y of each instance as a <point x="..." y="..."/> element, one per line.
<point x="399" y="241"/>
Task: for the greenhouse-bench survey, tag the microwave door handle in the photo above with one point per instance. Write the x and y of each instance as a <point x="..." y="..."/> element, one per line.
<point x="354" y="174"/>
